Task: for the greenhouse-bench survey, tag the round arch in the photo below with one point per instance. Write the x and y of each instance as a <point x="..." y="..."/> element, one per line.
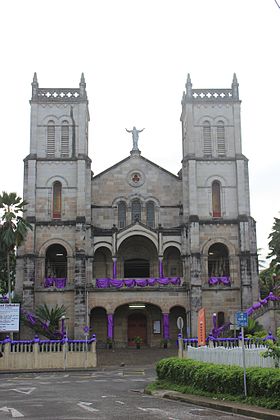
<point x="137" y="257"/>
<point x="172" y="262"/>
<point x="102" y="263"/>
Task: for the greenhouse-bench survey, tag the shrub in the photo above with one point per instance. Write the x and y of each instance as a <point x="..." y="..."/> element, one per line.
<point x="220" y="378"/>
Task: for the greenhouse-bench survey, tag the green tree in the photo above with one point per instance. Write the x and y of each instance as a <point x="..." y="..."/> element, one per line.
<point x="274" y="243"/>
<point x="13" y="229"/>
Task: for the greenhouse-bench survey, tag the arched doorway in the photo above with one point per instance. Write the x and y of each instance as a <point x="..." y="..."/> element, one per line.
<point x="98" y="325"/>
<point x="136" y="327"/>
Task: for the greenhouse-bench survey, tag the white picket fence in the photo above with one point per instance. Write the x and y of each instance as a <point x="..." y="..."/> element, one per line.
<point x="229" y="356"/>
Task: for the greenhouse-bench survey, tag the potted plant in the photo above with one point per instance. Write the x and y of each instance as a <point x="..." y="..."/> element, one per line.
<point x="138" y="341"/>
<point x="164" y="342"/>
<point x="109" y="343"/>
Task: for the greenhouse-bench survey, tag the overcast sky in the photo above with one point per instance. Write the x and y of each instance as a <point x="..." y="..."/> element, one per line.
<point x="135" y="56"/>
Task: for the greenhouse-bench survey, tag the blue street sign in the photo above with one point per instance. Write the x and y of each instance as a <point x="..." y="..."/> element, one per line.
<point x="241" y="319"/>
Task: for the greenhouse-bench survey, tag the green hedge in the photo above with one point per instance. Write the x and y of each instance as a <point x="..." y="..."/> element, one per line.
<point x="261" y="382"/>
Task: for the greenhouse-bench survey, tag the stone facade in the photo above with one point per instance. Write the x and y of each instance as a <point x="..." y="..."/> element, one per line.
<point x="129" y="250"/>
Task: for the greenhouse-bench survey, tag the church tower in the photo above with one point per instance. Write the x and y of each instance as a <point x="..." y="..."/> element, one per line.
<point x="221" y="251"/>
<point x="54" y="264"/>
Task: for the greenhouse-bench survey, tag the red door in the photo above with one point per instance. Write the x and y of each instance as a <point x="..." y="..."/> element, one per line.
<point x="136" y="326"/>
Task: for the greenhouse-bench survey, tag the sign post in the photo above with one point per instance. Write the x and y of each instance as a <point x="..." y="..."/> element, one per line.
<point x="242" y="321"/>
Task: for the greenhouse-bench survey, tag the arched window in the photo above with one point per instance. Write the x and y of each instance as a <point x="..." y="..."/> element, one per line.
<point x="135" y="211"/>
<point x="122" y="214"/>
<point x="221" y="147"/>
<point x="216" y="199"/>
<point x="150" y="214"/>
<point x="65" y="139"/>
<point x="56" y="262"/>
<point x="218" y="261"/>
<point x="56" y="200"/>
<point x="51" y="139"/>
<point x="207" y="140"/>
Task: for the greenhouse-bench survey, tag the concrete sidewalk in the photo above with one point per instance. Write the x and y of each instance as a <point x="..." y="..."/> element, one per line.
<point x="228" y="406"/>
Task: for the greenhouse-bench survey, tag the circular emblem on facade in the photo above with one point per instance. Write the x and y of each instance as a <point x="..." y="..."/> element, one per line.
<point x="136" y="178"/>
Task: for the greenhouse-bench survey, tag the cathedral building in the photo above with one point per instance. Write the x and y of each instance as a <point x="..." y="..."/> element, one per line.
<point x="131" y="249"/>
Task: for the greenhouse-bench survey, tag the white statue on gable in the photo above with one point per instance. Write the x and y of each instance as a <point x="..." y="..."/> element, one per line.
<point x="135" y="136"/>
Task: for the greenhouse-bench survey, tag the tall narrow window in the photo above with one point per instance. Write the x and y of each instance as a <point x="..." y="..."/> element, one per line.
<point x="50" y="139"/>
<point x="207" y="140"/>
<point x="65" y="139"/>
<point x="122" y="214"/>
<point x="216" y="199"/>
<point x="150" y="214"/>
<point x="221" y="147"/>
<point x="56" y="200"/>
<point x="135" y="211"/>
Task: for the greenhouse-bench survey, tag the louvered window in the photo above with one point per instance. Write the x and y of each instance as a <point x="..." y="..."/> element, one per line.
<point x="135" y="211"/>
<point x="65" y="139"/>
<point x="150" y="209"/>
<point x="122" y="214"/>
<point x="221" y="139"/>
<point x="51" y="139"/>
<point x="207" y="140"/>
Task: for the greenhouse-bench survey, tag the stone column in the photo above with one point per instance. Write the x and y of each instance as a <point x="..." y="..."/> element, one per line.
<point x="160" y="267"/>
<point x="114" y="267"/>
<point x="110" y="326"/>
<point x="165" y="317"/>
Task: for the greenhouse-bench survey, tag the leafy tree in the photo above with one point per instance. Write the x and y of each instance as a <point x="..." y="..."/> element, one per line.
<point x="274" y="243"/>
<point x="269" y="281"/>
<point x="13" y="229"/>
<point x="274" y="349"/>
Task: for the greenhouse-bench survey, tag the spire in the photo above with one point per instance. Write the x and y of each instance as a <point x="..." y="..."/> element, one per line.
<point x="234" y="87"/>
<point x="82" y="86"/>
<point x="189" y="86"/>
<point x="35" y="85"/>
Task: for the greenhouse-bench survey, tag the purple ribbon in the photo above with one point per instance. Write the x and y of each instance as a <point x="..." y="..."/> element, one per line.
<point x="165" y="325"/>
<point x="110" y="325"/>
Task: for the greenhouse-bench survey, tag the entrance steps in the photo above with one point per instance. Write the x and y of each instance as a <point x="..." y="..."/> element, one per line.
<point x="132" y="356"/>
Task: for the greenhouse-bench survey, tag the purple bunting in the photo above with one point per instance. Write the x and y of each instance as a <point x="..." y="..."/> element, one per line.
<point x="60" y="283"/>
<point x="104" y="283"/>
<point x="219" y="280"/>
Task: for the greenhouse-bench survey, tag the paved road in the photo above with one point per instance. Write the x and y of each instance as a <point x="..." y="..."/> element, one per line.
<point x="104" y="394"/>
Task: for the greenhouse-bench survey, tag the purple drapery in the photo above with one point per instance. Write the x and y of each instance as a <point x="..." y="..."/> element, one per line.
<point x="165" y="325"/>
<point x="219" y="280"/>
<point x="110" y="325"/>
<point x="105" y="283"/>
<point x="114" y="268"/>
<point x="160" y="268"/>
<point x="262" y="302"/>
<point x="60" y="283"/>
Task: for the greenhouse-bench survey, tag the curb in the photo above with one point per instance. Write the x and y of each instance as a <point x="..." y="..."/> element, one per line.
<point x="228" y="406"/>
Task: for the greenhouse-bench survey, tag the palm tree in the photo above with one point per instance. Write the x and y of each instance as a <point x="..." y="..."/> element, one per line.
<point x="13" y="228"/>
